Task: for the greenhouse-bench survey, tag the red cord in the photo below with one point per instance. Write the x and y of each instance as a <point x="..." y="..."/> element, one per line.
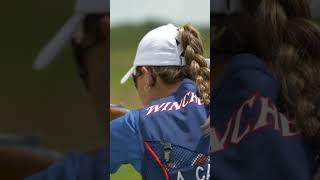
<point x="157" y="160"/>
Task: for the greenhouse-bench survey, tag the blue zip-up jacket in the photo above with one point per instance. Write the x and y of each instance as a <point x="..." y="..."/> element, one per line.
<point x="164" y="140"/>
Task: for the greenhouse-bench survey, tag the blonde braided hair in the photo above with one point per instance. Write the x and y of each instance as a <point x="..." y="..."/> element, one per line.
<point x="193" y="54"/>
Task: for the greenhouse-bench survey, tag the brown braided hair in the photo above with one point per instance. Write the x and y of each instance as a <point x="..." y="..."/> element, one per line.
<point x="282" y="33"/>
<point x="296" y="59"/>
<point x="196" y="66"/>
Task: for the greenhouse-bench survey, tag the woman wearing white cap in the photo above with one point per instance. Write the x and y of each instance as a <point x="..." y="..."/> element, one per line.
<point x="88" y="32"/>
<point x="164" y="139"/>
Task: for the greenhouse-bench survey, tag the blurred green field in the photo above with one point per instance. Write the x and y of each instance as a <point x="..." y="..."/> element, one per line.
<point x="124" y="41"/>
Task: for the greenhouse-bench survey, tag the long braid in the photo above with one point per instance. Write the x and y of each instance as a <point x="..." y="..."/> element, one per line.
<point x="290" y="45"/>
<point x="196" y="63"/>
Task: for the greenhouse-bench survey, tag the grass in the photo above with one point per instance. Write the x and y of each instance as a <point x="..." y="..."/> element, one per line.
<point x="126" y="172"/>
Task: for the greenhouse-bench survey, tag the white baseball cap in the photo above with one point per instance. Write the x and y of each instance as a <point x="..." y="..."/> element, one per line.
<point x="159" y="47"/>
<point x="234" y="6"/>
<point x="82" y="8"/>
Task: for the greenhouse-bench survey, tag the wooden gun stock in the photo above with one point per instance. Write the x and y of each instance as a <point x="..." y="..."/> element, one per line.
<point x="18" y="163"/>
<point x="117" y="111"/>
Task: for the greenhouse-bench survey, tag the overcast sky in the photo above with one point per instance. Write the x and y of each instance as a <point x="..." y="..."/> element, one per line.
<point x="172" y="11"/>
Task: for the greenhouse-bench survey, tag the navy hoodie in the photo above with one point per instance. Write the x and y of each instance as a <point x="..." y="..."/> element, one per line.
<point x="252" y="136"/>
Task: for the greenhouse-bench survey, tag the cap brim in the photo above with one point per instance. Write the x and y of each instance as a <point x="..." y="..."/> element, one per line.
<point x="51" y="50"/>
<point x="127" y="75"/>
<point x="131" y="70"/>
